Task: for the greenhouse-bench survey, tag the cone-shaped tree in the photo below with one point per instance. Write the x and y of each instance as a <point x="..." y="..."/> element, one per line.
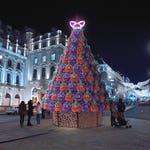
<point x="76" y="84"/>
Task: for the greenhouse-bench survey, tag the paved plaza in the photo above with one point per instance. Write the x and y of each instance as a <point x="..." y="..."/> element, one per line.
<point x="46" y="136"/>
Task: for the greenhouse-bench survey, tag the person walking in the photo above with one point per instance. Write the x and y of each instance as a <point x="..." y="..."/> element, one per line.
<point x="30" y="112"/>
<point x="121" y="107"/>
<point x="38" y="112"/>
<point x="22" y="112"/>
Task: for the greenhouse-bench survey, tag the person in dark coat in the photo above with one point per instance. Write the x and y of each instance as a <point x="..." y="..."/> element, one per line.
<point x="22" y="112"/>
<point x="121" y="107"/>
<point x="114" y="113"/>
<point x="30" y="112"/>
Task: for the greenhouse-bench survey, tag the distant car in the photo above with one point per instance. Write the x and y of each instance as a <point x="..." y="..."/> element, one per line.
<point x="12" y="110"/>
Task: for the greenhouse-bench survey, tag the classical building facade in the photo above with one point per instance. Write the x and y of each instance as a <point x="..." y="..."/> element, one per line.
<point x="27" y="63"/>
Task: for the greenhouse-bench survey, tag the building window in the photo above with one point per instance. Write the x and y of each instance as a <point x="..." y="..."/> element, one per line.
<point x="9" y="64"/>
<point x="53" y="56"/>
<point x="44" y="44"/>
<point x="43" y="74"/>
<point x="19" y="51"/>
<point x="17" y="80"/>
<point x="0" y="62"/>
<point x="53" y="42"/>
<point x="34" y="74"/>
<point x="44" y="59"/>
<point x="8" y="79"/>
<point x="18" y="66"/>
<point x="0" y="76"/>
<point x="35" y="47"/>
<point x="11" y="48"/>
<point x="52" y="71"/>
<point x="1" y="99"/>
<point x="35" y="60"/>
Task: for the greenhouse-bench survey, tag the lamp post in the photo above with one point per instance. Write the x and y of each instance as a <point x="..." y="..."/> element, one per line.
<point x="1" y="56"/>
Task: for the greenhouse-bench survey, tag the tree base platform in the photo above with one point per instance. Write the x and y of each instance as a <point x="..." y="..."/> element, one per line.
<point x="77" y="120"/>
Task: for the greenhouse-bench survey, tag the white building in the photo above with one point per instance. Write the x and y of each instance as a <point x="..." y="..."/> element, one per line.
<point x="119" y="86"/>
<point x="27" y="63"/>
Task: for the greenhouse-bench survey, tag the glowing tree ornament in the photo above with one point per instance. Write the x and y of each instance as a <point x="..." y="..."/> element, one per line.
<point x="77" y="24"/>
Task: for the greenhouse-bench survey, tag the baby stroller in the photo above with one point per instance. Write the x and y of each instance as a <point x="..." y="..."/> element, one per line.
<point x="122" y="121"/>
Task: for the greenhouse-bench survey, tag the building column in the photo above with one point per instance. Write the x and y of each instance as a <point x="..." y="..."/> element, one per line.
<point x="8" y="41"/>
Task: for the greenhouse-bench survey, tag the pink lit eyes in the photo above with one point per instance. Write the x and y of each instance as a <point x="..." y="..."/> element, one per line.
<point x="77" y="25"/>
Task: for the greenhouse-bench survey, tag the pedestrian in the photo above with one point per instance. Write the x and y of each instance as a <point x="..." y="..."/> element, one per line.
<point x="30" y="112"/>
<point x="38" y="112"/>
<point x="22" y="112"/>
<point x="114" y="113"/>
<point x="43" y="113"/>
<point x="121" y="107"/>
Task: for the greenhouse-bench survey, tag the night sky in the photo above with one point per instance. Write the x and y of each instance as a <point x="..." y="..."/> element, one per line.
<point x="119" y="32"/>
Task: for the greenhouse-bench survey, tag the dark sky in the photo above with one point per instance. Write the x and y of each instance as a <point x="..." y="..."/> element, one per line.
<point x="118" y="31"/>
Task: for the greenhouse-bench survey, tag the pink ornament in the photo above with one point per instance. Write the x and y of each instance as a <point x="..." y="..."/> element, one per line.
<point x="77" y="25"/>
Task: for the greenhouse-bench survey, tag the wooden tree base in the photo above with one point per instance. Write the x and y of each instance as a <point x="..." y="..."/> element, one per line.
<point x="77" y="120"/>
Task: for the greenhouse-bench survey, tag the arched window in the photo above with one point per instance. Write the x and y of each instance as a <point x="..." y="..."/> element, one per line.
<point x="7" y="99"/>
<point x="34" y="91"/>
<point x="34" y="74"/>
<point x="16" y="101"/>
<point x="17" y="96"/>
<point x="7" y="95"/>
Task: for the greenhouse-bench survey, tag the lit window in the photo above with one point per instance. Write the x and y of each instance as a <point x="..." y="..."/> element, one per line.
<point x="35" y="60"/>
<point x="10" y="48"/>
<point x="53" y="57"/>
<point x="44" y="59"/>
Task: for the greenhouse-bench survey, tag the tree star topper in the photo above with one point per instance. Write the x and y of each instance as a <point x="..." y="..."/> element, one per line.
<point x="77" y="24"/>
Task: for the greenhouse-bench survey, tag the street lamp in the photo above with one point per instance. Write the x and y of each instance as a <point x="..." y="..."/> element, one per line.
<point x="1" y="56"/>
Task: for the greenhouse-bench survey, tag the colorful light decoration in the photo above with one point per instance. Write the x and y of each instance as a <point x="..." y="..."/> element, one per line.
<point x="77" y="25"/>
<point x="76" y="85"/>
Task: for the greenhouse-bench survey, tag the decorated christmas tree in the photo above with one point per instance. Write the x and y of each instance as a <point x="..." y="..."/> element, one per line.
<point x="76" y="85"/>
